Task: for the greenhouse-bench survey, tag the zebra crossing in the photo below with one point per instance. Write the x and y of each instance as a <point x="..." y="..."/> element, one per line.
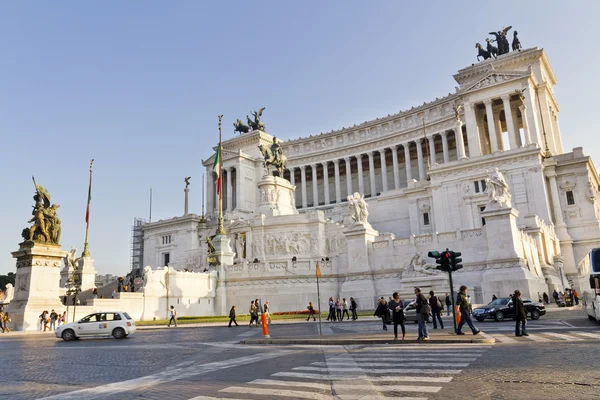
<point x="365" y="373"/>
<point x="571" y="336"/>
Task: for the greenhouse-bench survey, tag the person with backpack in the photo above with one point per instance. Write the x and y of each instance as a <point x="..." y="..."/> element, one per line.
<point x="423" y="312"/>
<point x="172" y="317"/>
<point x="436" y="309"/>
<point x="382" y="312"/>
<point x="465" y="316"/>
<point x="353" y="308"/>
<point x="232" y="317"/>
<point x="311" y="311"/>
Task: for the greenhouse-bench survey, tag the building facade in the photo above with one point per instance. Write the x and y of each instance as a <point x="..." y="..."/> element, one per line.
<point x="423" y="174"/>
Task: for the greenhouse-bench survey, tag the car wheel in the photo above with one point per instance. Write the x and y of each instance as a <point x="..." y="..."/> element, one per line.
<point x="499" y="316"/>
<point x="535" y="314"/>
<point x="118" y="333"/>
<point x="68" y="335"/>
<point x="479" y="319"/>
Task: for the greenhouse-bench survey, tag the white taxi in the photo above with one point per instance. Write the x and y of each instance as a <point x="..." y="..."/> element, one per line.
<point x="114" y="323"/>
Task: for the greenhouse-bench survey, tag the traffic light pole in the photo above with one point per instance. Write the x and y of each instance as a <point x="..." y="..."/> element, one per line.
<point x="452" y="297"/>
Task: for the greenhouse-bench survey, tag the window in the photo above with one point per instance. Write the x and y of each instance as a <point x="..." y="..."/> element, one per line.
<point x="166" y="259"/>
<point x="483" y="185"/>
<point x="570" y="198"/>
<point x="482" y="209"/>
<point x="426" y="218"/>
<point x="166" y="239"/>
<point x="479" y="186"/>
<point x="476" y="186"/>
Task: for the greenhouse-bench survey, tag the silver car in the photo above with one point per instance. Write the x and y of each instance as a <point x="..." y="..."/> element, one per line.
<point x="410" y="311"/>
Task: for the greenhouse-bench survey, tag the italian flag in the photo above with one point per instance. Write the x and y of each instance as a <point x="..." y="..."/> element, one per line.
<point x="217" y="170"/>
<point x="87" y="211"/>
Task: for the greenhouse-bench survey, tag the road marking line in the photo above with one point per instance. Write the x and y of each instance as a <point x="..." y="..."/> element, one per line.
<point x="381" y="371"/>
<point x="587" y="334"/>
<point x="376" y="397"/>
<point x="536" y="338"/>
<point x="217" y="398"/>
<point x="392" y="364"/>
<point x="389" y="388"/>
<point x="504" y="338"/>
<point x="277" y="393"/>
<point x="429" y="357"/>
<point x="563" y="337"/>
<point x="273" y="382"/>
<point x="305" y="375"/>
<point x="164" y="377"/>
<point x="424" y="347"/>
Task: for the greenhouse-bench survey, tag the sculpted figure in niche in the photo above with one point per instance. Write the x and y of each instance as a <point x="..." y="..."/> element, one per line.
<point x="418" y="265"/>
<point x="497" y="189"/>
<point x="358" y="208"/>
<point x="240" y="245"/>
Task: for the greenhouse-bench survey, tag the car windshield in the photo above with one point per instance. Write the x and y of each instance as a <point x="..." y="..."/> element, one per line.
<point x="499" y="302"/>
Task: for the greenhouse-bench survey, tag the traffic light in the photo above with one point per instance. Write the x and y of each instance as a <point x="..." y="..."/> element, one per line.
<point x="441" y="259"/>
<point x="455" y="260"/>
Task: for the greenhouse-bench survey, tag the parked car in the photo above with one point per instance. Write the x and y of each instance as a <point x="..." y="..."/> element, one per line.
<point x="117" y="324"/>
<point x="502" y="308"/>
<point x="410" y="311"/>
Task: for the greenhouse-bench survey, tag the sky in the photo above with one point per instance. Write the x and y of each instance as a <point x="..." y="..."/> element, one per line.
<point x="137" y="86"/>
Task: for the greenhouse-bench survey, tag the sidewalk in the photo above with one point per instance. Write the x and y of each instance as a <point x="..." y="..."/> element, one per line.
<point x="345" y="339"/>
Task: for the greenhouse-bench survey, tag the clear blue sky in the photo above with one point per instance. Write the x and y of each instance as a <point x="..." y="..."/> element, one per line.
<point x="138" y="86"/>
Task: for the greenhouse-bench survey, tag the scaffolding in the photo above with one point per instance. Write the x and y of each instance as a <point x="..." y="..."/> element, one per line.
<point x="137" y="247"/>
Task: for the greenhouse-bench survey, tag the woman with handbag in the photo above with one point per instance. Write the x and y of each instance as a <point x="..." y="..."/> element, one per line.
<point x="397" y="308"/>
<point x="382" y="312"/>
<point x="423" y="312"/>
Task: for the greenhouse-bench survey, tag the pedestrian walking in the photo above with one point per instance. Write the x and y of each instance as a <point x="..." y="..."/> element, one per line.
<point x="423" y="312"/>
<point x="2" y="321"/>
<point x="113" y="294"/>
<point x="448" y="304"/>
<point x="545" y="297"/>
<point x="338" y="309"/>
<point x="6" y="322"/>
<point x="253" y="313"/>
<point x="62" y="319"/>
<point x="520" y="315"/>
<point x="172" y="317"/>
<point x="465" y="315"/>
<point x="353" y="308"/>
<point x="576" y="296"/>
<point x="331" y="316"/>
<point x="555" y="296"/>
<point x="232" y="317"/>
<point x="345" y="309"/>
<point x="53" y="318"/>
<point x="436" y="309"/>
<point x="397" y="308"/>
<point x="267" y="313"/>
<point x="311" y="311"/>
<point x="382" y="312"/>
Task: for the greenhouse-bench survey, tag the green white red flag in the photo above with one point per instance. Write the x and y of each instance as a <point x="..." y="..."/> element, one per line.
<point x="217" y="170"/>
<point x="87" y="211"/>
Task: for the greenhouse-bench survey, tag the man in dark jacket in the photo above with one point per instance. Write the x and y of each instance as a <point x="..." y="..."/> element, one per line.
<point x="520" y="315"/>
<point x="465" y="315"/>
<point x="448" y="304"/>
<point x="423" y="310"/>
<point x="436" y="309"/>
<point x="353" y="308"/>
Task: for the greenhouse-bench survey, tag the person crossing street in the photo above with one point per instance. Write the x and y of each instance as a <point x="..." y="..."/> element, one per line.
<point x="520" y="315"/>
<point x="465" y="316"/>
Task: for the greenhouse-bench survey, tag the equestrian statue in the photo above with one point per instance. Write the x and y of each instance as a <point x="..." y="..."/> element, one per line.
<point x="274" y="156"/>
<point x="240" y="127"/>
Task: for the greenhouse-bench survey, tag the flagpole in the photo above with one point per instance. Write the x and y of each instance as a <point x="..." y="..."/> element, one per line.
<point x="86" y="251"/>
<point x="220" y="227"/>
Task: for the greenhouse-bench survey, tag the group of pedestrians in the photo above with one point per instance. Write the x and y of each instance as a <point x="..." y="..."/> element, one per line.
<point x="254" y="311"/>
<point x="49" y="320"/>
<point x="4" y="321"/>
<point x="338" y="309"/>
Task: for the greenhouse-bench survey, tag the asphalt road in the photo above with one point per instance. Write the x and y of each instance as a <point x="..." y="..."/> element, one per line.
<point x="559" y="360"/>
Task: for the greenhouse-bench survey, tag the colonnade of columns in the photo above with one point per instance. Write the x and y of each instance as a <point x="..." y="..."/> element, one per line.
<point x="230" y="189"/>
<point x="352" y="167"/>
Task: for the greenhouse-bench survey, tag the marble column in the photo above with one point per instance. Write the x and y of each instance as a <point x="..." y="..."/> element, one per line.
<point x="491" y="126"/>
<point x="445" y="147"/>
<point x="361" y="184"/>
<point x="558" y="217"/>
<point x="516" y="128"/>
<point x="409" y="176"/>
<point x="230" y="189"/>
<point x="315" y="185"/>
<point x="348" y="176"/>
<point x="303" y="183"/>
<point x="292" y="175"/>
<point x="395" y="166"/>
<point x="513" y="140"/>
<point x="472" y="134"/>
<point x="526" y="131"/>
<point x="432" y="159"/>
<point x="372" y="174"/>
<point x="533" y="123"/>
<point x="384" y="184"/>
<point x="338" y="193"/>
<point x="420" y="160"/>
<point x="326" y="181"/>
<point x="498" y="125"/>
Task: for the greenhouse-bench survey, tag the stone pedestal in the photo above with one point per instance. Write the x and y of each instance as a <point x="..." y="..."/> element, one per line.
<point x="501" y="229"/>
<point x="276" y="196"/>
<point x="358" y="237"/>
<point x="88" y="273"/>
<point x="225" y="256"/>
<point x="37" y="286"/>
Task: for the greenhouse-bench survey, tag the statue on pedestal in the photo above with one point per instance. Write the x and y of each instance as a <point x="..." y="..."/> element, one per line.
<point x="501" y="40"/>
<point x="240" y="127"/>
<point x="274" y="156"/>
<point x="187" y="181"/>
<point x="46" y="224"/>
<point x="497" y="189"/>
<point x="358" y="208"/>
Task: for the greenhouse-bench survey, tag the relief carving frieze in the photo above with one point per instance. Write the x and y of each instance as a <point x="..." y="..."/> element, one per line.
<point x="463" y="170"/>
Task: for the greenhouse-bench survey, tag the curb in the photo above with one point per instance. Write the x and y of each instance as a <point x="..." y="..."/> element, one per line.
<point x="346" y="342"/>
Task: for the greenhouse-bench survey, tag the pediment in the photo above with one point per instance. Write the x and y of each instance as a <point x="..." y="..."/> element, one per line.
<point x="495" y="78"/>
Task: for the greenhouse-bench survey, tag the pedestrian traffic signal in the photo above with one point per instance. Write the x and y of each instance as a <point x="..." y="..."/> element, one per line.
<point x="441" y="259"/>
<point x="455" y="260"/>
